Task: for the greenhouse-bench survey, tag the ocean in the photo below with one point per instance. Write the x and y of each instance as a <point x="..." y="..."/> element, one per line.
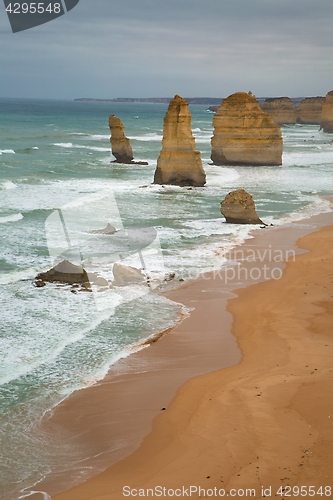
<point x="57" y="186"/>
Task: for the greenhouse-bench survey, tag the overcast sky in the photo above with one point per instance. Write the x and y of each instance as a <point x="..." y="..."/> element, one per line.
<point x="151" y="48"/>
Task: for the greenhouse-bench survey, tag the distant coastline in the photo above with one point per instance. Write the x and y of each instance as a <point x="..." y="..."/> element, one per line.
<point x="210" y="101"/>
<point x="190" y="100"/>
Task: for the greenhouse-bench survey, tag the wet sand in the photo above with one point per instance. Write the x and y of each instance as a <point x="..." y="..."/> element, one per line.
<point x="255" y="423"/>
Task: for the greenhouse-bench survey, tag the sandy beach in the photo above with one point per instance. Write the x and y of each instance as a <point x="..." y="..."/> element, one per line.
<point x="265" y="422"/>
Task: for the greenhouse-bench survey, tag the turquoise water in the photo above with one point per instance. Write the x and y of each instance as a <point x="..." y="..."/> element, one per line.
<point x="56" y="155"/>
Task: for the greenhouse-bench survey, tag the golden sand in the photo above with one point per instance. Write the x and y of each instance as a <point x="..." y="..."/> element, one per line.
<point x="265" y="422"/>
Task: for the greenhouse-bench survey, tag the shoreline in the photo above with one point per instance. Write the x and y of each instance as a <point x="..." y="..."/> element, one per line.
<point x="74" y="408"/>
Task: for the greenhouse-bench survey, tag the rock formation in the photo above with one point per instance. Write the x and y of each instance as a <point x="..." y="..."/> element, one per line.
<point x="179" y="163"/>
<point x="280" y="109"/>
<point x="327" y="113"/>
<point x="126" y="275"/>
<point x="213" y="109"/>
<point x="121" y="146"/>
<point x="238" y="208"/>
<point x="69" y="274"/>
<point x="244" y="134"/>
<point x="109" y="229"/>
<point x="65" y="272"/>
<point x="309" y="110"/>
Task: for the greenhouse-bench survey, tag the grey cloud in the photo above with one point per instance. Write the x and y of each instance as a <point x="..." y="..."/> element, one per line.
<point x="145" y="47"/>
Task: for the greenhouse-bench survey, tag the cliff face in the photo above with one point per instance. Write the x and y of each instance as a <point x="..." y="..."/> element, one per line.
<point x="244" y="134"/>
<point x="309" y="111"/>
<point x="327" y="113"/>
<point x="280" y="109"/>
<point x="179" y="163"/>
<point x="121" y="147"/>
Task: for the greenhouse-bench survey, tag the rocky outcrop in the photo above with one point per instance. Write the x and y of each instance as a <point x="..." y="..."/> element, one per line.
<point x="244" y="134"/>
<point x="213" y="109"/>
<point x="64" y="272"/>
<point x="70" y="274"/>
<point x="238" y="208"/>
<point x="327" y="113"/>
<point x="109" y="229"/>
<point x="309" y="110"/>
<point x="280" y="109"/>
<point x="179" y="163"/>
<point x="126" y="275"/>
<point x="121" y="146"/>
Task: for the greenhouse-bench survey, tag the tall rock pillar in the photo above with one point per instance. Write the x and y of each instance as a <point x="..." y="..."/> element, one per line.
<point x="327" y="113"/>
<point x="179" y="163"/>
<point x="120" y="144"/>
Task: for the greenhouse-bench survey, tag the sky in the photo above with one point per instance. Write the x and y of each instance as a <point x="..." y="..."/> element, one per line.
<point x="159" y="48"/>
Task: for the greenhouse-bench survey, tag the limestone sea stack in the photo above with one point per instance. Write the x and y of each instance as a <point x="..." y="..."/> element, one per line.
<point x="179" y="163"/>
<point x="327" y="113"/>
<point x="244" y="134"/>
<point x="280" y="109"/>
<point x="309" y="110"/>
<point x="121" y="146"/>
<point x="238" y="208"/>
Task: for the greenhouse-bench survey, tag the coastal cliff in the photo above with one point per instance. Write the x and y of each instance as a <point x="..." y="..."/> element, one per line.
<point x="244" y="134"/>
<point x="179" y="162"/>
<point x="280" y="109"/>
<point x="309" y="110"/>
<point x="327" y="113"/>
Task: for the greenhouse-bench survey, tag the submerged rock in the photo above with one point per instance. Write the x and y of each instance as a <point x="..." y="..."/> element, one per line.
<point x="179" y="163"/>
<point x="126" y="275"/>
<point x="327" y="113"/>
<point x="309" y="110"/>
<point x="238" y="208"/>
<point x="280" y="109"/>
<point x="244" y="134"/>
<point x="109" y="229"/>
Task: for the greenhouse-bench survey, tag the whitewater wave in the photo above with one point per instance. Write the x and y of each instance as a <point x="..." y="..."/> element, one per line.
<point x="147" y="138"/>
<point x="93" y="137"/>
<point x="6" y="185"/>
<point x="81" y="146"/>
<point x="11" y="218"/>
<point x="316" y="207"/>
<point x="7" y="151"/>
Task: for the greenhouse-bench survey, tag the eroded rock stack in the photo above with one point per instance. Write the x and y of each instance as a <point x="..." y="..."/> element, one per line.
<point x="244" y="134"/>
<point x="238" y="208"/>
<point x="121" y="146"/>
<point x="280" y="109"/>
<point x="309" y="111"/>
<point x="327" y="113"/>
<point x="179" y="163"/>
